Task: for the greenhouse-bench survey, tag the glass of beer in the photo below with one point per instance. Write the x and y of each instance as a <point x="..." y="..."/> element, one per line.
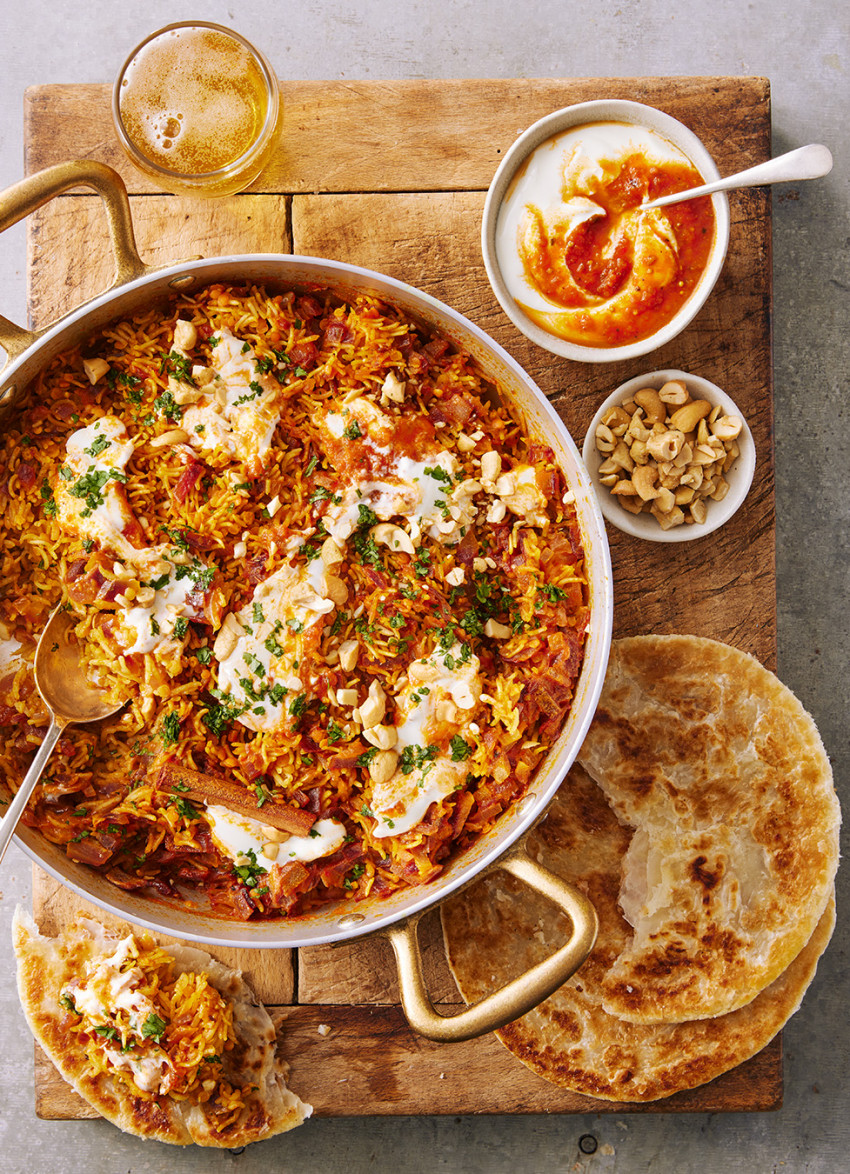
<point x="196" y="107"/>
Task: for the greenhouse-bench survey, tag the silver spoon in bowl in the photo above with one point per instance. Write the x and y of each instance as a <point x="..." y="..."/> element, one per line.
<point x="809" y="162"/>
<point x="69" y="697"/>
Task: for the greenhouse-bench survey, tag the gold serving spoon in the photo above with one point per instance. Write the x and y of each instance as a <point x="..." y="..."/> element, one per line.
<point x="68" y="696"/>
<point x="809" y="162"/>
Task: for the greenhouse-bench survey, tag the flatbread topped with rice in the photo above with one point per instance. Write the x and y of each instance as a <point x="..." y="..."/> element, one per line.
<point x="723" y="779"/>
<point x="165" y="1043"/>
<point x="497" y="929"/>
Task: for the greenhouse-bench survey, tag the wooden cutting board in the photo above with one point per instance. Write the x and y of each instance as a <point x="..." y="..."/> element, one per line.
<point x="392" y="176"/>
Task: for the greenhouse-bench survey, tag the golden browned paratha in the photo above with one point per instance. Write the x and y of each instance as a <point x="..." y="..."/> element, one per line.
<point x="499" y="928"/>
<point x="723" y="777"/>
<point x="235" y="1098"/>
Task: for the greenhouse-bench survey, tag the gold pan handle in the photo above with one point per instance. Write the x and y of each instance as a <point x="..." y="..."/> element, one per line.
<point x="36" y="190"/>
<point x="520" y="995"/>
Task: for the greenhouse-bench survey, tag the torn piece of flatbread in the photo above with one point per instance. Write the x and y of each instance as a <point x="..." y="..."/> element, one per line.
<point x="724" y="779"/>
<point x="498" y="928"/>
<point x="166" y="1043"/>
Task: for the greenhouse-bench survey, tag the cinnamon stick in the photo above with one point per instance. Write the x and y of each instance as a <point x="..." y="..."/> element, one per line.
<point x="194" y="784"/>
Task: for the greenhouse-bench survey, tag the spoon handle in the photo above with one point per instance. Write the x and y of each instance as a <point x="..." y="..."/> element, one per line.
<point x="809" y="162"/>
<point x="16" y="807"/>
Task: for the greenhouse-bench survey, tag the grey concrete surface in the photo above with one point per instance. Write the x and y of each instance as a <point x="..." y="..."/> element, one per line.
<point x="803" y="50"/>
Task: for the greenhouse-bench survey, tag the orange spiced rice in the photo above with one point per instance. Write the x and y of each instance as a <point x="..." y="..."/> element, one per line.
<point x="326" y="570"/>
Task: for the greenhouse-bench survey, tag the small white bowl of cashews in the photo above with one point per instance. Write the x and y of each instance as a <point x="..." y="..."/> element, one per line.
<point x="670" y="455"/>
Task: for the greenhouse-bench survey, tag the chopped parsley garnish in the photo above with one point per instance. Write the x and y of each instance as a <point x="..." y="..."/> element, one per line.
<point x="250" y="872"/>
<point x="314" y="461"/>
<point x="255" y="389"/>
<point x="203" y="655"/>
<point x="422" y="564"/>
<point x="154" y="627"/>
<point x="159" y="582"/>
<point x="367" y="757"/>
<point x="200" y="575"/>
<point x="460" y="750"/>
<point x="96" y="447"/>
<point x="153" y="1027"/>
<point x="219" y="718"/>
<point x="439" y="475"/>
<point x="262" y="794"/>
<point x="108" y="1032"/>
<point x="186" y="809"/>
<point x="166" y="405"/>
<point x="171" y="728"/>
<point x="354" y="875"/>
<point x="271" y="645"/>
<point x="257" y="614"/>
<point x="181" y="627"/>
<point x="177" y="536"/>
<point x="470" y="621"/>
<point x="416" y="757"/>
<point x="365" y="516"/>
<point x="335" y="732"/>
<point x="90" y="486"/>
<point x="298" y="705"/>
<point x="553" y="594"/>
<point x="178" y="366"/>
<point x="352" y="432"/>
<point x="254" y="664"/>
<point x="366" y="547"/>
<point x="67" y="1002"/>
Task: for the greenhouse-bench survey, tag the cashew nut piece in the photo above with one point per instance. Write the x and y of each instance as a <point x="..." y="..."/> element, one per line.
<point x="95" y="369"/>
<point x="384" y="737"/>
<point x="655" y="410"/>
<point x="383" y="766"/>
<point x="387" y="534"/>
<point x="172" y="436"/>
<point x="349" y="651"/>
<point x="688" y="417"/>
<point x="374" y="707"/>
<point x="185" y="334"/>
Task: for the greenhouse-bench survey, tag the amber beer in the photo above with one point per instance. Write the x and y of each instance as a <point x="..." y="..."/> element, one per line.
<point x="196" y="107"/>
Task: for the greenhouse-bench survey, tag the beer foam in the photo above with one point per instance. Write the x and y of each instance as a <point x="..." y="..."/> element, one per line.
<point x="193" y="100"/>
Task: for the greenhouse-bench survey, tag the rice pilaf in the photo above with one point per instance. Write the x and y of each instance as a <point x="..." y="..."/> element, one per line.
<point x="320" y="560"/>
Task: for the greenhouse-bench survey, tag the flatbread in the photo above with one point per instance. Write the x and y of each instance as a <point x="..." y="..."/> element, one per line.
<point x="47" y="965"/>
<point x="724" y="778"/>
<point x="498" y="928"/>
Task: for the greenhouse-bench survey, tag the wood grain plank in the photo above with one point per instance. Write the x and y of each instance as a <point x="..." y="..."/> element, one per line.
<point x="365" y="971"/>
<point x="63" y="275"/>
<point x="371" y="1064"/>
<point x="420" y="135"/>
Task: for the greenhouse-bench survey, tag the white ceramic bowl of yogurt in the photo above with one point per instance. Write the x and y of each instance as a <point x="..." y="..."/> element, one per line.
<point x="591" y="135"/>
